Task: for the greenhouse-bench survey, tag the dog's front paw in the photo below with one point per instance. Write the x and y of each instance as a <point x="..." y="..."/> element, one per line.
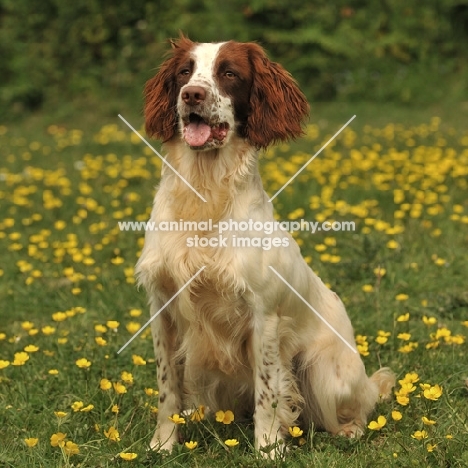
<point x="352" y="430"/>
<point x="271" y="450"/>
<point x="164" y="438"/>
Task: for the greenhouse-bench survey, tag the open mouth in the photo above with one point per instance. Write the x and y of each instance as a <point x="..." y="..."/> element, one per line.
<point x="198" y="133"/>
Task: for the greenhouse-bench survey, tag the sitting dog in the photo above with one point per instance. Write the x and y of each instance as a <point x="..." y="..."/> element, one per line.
<point x="253" y="329"/>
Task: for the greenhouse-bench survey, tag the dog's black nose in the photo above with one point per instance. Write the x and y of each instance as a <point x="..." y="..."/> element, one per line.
<point x="193" y="95"/>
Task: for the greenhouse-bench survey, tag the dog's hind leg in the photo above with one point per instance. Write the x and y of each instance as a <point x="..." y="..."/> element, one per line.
<point x="339" y="396"/>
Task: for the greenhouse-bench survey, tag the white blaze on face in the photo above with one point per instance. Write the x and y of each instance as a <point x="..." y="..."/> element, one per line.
<point x="204" y="56"/>
<point x="217" y="112"/>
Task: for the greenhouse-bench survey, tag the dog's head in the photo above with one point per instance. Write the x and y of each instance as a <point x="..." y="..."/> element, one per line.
<point x="206" y="92"/>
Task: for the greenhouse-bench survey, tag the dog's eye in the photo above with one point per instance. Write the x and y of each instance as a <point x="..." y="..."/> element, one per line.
<point x="229" y="74"/>
<point x="184" y="72"/>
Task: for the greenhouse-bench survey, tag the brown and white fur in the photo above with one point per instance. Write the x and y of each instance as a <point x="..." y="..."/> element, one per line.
<point x="238" y="337"/>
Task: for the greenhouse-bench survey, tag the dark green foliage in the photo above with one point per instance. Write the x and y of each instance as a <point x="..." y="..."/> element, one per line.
<point x="402" y="50"/>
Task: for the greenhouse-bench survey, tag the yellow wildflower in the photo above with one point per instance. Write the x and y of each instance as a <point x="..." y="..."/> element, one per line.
<point x="419" y="435"/>
<point x="70" y="448"/>
<point x="58" y="439"/>
<point x="191" y="445"/>
<point x="403" y="317"/>
<point x="112" y="434"/>
<point x="138" y="360"/>
<point x="427" y="421"/>
<point x="176" y="419"/>
<point x="83" y="363"/>
<point x="231" y="442"/>
<point x="295" y="431"/>
<point x="377" y="425"/>
<point x="31" y="441"/>
<point x="198" y="414"/>
<point x="225" y="417"/>
<point x="433" y="393"/>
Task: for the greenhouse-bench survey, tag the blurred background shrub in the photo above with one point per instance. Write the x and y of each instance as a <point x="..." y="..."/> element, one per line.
<point x="347" y="50"/>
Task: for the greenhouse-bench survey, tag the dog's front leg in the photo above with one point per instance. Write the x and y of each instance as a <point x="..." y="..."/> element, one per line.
<point x="169" y="380"/>
<point x="265" y="343"/>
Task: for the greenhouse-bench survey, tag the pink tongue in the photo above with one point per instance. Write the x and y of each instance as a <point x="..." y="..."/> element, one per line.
<point x="197" y="134"/>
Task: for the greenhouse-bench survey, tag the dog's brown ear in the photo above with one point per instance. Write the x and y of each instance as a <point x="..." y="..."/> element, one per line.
<point x="278" y="107"/>
<point x="161" y="94"/>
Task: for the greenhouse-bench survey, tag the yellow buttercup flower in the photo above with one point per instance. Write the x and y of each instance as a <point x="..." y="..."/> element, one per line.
<point x="198" y="414"/>
<point x="83" y="363"/>
<point x="138" y="360"/>
<point x="379" y="424"/>
<point x="48" y="330"/>
<point x="176" y="419"/>
<point x="404" y="336"/>
<point x="403" y="317"/>
<point x="410" y="377"/>
<point x="113" y="324"/>
<point x="429" y="320"/>
<point x="119" y="388"/>
<point x="231" y="442"/>
<point x="133" y="327"/>
<point x="427" y="421"/>
<point x="70" y="448"/>
<point x="20" y="358"/>
<point x="100" y="328"/>
<point x="363" y="349"/>
<point x="191" y="445"/>
<point x="225" y="417"/>
<point x="112" y="434"/>
<point x="100" y="341"/>
<point x="31" y="348"/>
<point x="127" y="456"/>
<point x="403" y="400"/>
<point x="105" y="384"/>
<point x="31" y="441"/>
<point x="58" y="439"/>
<point x="433" y="393"/>
<point x="295" y="431"/>
<point x="59" y="316"/>
<point x="419" y="435"/>
<point x="381" y="340"/>
<point x="407" y="387"/>
<point x="126" y="377"/>
<point x="27" y="325"/>
<point x="77" y="405"/>
<point x="392" y="244"/>
<point x="380" y="272"/>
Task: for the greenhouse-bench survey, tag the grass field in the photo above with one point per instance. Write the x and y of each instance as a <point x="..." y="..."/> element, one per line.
<point x="69" y="302"/>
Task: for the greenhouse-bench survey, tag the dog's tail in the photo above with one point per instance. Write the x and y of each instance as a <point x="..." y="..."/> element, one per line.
<point x="385" y="380"/>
